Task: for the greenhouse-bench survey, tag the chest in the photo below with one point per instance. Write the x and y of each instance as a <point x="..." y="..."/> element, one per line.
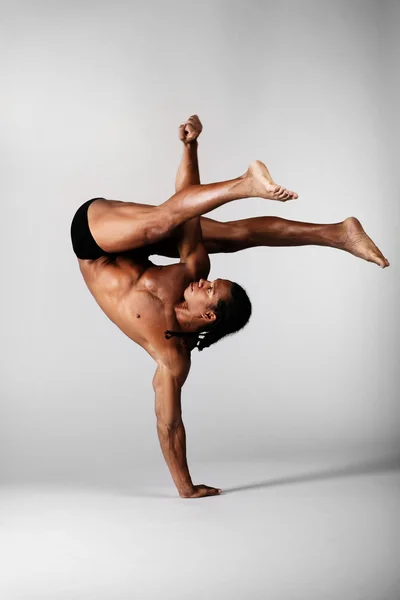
<point x="138" y="299"/>
<point x="167" y="283"/>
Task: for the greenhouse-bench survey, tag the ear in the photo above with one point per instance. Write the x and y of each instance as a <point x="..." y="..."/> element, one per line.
<point x="209" y="316"/>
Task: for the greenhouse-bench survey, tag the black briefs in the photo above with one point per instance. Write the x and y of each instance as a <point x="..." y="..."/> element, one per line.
<point x="86" y="247"/>
<point x="83" y="242"/>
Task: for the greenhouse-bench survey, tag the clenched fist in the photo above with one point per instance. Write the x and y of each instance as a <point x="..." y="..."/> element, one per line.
<point x="190" y="131"/>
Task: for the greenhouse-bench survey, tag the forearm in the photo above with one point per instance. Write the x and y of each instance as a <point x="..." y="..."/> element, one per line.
<point x="188" y="171"/>
<point x="173" y="446"/>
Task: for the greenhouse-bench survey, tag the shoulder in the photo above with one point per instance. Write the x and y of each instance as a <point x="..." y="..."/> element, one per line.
<point x="175" y="359"/>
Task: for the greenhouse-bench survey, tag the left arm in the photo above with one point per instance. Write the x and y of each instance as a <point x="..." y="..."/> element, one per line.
<point x="188" y="171"/>
<point x="189" y="236"/>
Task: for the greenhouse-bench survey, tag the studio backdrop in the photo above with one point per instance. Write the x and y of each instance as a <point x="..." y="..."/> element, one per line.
<point x="92" y="97"/>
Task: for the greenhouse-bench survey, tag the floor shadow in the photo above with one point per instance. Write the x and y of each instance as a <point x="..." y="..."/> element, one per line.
<point x="127" y="489"/>
<point x="352" y="470"/>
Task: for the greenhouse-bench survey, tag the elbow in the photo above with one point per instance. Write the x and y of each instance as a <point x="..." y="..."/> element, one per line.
<point x="168" y="426"/>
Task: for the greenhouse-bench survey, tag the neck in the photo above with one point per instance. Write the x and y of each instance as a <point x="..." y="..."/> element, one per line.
<point x="187" y="321"/>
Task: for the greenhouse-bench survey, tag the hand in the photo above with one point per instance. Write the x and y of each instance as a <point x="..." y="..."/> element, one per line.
<point x="200" y="491"/>
<point x="190" y="131"/>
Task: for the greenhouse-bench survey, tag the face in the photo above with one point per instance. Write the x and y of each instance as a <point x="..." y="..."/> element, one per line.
<point x="202" y="295"/>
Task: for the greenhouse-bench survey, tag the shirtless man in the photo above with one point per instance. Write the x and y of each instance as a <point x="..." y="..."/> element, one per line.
<point x="170" y="310"/>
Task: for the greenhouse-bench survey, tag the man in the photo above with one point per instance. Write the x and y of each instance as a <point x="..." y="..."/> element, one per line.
<point x="169" y="310"/>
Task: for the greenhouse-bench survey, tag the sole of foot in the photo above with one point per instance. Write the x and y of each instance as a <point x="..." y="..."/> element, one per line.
<point x="357" y="242"/>
<point x="264" y="186"/>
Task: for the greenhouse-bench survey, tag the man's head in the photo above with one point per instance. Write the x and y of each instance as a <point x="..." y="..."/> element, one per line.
<point x="213" y="308"/>
<point x="202" y="298"/>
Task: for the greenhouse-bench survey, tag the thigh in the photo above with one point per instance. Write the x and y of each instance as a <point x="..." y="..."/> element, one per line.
<point x="118" y="226"/>
<point x="218" y="237"/>
<point x="122" y="226"/>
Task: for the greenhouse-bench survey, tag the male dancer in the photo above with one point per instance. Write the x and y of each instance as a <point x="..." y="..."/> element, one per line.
<point x="172" y="309"/>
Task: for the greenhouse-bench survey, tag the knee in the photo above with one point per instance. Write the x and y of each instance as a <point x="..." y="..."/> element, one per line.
<point x="160" y="226"/>
<point x="235" y="237"/>
<point x="239" y="231"/>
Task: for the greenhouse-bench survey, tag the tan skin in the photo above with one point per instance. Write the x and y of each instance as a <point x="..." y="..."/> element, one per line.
<point x="144" y="300"/>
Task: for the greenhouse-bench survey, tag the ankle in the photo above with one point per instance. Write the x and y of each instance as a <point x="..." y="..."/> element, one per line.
<point x="245" y="183"/>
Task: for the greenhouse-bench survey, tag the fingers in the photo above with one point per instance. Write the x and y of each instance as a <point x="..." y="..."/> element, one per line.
<point x="209" y="491"/>
<point x="194" y="120"/>
<point x="193" y="125"/>
<point x="213" y="491"/>
<point x="190" y="130"/>
<point x="201" y="491"/>
<point x="182" y="134"/>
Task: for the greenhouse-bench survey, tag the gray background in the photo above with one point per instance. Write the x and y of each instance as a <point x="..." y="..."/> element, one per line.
<point x="93" y="94"/>
<point x="297" y="416"/>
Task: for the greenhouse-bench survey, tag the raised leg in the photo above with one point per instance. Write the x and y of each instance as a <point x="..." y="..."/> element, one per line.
<point x="347" y="235"/>
<point x="233" y="236"/>
<point x="121" y="226"/>
<point x="270" y="231"/>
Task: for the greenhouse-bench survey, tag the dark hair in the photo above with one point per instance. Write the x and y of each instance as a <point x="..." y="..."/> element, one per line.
<point x="232" y="315"/>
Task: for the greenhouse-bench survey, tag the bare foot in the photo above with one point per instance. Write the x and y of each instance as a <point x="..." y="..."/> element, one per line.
<point x="263" y="186"/>
<point x="357" y="242"/>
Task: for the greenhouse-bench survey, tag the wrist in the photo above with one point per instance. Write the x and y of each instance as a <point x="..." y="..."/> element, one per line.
<point x="186" y="492"/>
<point x="191" y="145"/>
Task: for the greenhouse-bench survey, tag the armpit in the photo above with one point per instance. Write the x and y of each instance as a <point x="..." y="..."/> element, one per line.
<point x="176" y="360"/>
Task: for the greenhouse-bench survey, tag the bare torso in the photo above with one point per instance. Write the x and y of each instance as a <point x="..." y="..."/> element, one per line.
<point x="139" y="297"/>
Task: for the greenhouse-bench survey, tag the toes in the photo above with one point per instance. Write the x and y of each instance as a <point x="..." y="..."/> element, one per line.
<point x="282" y="193"/>
<point x="285" y="194"/>
<point x="383" y="262"/>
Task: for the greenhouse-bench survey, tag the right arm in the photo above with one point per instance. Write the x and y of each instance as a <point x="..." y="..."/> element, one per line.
<point x="171" y="431"/>
<point x="167" y="384"/>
